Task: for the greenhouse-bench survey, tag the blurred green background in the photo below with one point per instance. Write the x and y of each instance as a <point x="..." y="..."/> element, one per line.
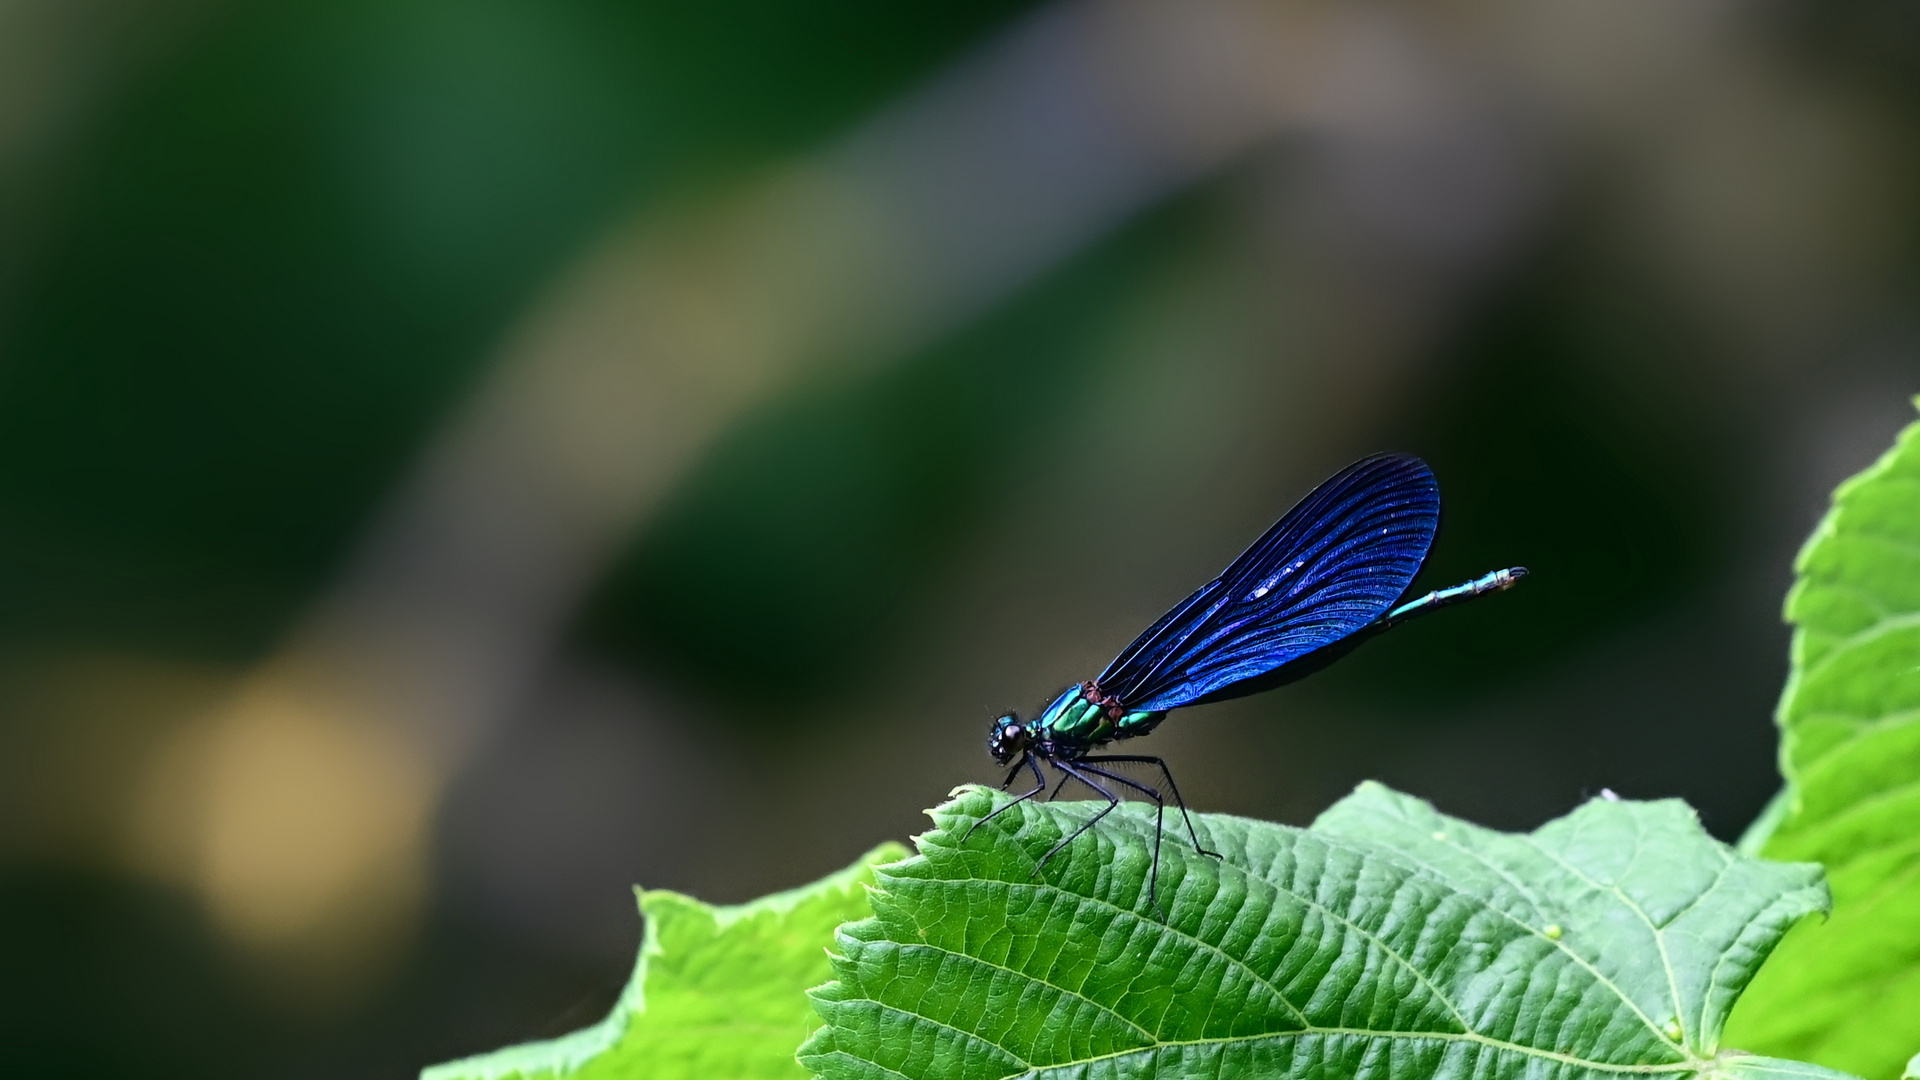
<point x="460" y="460"/>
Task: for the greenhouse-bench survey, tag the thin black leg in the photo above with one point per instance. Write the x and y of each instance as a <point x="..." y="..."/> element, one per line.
<point x="1055" y="793"/>
<point x="1171" y="787"/>
<point x="1159" y="813"/>
<point x="1013" y="772"/>
<point x="1066" y="776"/>
<point x="1039" y="786"/>
<point x="1112" y="801"/>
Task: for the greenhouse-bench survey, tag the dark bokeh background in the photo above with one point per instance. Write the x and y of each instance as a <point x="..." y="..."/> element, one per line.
<point x="460" y="459"/>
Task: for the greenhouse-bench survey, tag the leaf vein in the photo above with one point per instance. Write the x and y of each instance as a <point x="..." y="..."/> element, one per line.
<point x="967" y="1035"/>
<point x="1688" y="1064"/>
<point x="1438" y="995"/>
<point x="1864" y="727"/>
<point x="1562" y="946"/>
<point x="1596" y="886"/>
<point x="1868" y="804"/>
<point x="1860" y="639"/>
<point x="984" y="962"/>
<point x="1229" y="958"/>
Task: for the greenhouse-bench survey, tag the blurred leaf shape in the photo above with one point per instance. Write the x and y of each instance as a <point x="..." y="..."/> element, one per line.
<point x="718" y="991"/>
<point x="1387" y="940"/>
<point x="1846" y="992"/>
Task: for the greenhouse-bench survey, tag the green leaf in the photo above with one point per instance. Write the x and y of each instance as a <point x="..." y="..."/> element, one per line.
<point x="718" y="993"/>
<point x="1388" y="941"/>
<point x="1846" y="992"/>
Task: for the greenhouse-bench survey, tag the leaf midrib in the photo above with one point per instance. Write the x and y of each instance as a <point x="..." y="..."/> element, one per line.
<point x="1687" y="1064"/>
<point x="1666" y="962"/>
<point x="1424" y="873"/>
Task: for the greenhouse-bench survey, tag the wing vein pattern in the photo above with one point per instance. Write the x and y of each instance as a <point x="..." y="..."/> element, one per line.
<point x="1332" y="566"/>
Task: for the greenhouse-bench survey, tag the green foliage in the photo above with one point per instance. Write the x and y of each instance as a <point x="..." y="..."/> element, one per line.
<point x="717" y="994"/>
<point x="1388" y="941"/>
<point x="1846" y="992"/>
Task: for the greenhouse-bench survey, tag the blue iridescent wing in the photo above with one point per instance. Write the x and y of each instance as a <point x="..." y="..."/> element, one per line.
<point x="1332" y="566"/>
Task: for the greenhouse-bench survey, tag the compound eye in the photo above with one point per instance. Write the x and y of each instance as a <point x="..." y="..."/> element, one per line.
<point x="1012" y="731"/>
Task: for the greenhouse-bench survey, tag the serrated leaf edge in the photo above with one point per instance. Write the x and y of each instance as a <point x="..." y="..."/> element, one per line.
<point x="1813" y="898"/>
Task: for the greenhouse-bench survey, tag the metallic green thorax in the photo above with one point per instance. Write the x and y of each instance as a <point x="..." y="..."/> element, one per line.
<point x="1073" y="723"/>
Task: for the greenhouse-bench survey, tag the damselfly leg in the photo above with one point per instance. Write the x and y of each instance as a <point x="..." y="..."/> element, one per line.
<point x="1040" y="785"/>
<point x="1172" y="788"/>
<point x="1112" y="801"/>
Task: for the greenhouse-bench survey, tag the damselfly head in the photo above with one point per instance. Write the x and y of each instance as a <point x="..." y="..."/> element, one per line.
<point x="1007" y="737"/>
